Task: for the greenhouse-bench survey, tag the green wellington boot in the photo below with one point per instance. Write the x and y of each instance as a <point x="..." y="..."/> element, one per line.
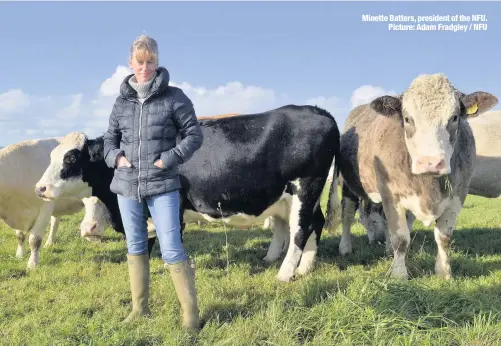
<point x="139" y="276"/>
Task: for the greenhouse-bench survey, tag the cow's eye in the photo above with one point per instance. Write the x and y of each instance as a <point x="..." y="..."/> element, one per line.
<point x="455" y="118"/>
<point x="71" y="159"/>
<point x="407" y="120"/>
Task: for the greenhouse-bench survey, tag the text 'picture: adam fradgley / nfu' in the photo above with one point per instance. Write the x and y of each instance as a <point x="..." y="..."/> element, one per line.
<point x="450" y="22"/>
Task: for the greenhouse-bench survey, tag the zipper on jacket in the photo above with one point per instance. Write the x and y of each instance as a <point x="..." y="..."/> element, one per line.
<point x="139" y="155"/>
<point x="139" y="148"/>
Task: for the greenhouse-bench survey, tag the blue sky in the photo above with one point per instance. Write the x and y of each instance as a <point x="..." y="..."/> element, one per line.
<point x="61" y="60"/>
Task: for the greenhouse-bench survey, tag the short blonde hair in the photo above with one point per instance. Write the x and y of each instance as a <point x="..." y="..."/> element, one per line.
<point x="144" y="47"/>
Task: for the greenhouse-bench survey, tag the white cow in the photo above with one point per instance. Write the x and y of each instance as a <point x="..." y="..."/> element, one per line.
<point x="486" y="179"/>
<point x="97" y="219"/>
<point x="21" y="166"/>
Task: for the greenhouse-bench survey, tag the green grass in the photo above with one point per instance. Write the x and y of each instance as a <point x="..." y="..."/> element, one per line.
<point x="80" y="292"/>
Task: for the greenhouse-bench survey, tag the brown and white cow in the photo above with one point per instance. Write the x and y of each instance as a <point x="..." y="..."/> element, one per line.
<point x="415" y="153"/>
<point x="485" y="182"/>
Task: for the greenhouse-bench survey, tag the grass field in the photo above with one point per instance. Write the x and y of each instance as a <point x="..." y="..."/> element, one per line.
<point x="80" y="292"/>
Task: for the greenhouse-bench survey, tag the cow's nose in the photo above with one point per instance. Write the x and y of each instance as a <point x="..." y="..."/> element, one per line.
<point x="88" y="228"/>
<point x="40" y="191"/>
<point x="430" y="164"/>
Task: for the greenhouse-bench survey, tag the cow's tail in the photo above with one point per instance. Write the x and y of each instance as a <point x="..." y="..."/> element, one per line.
<point x="333" y="215"/>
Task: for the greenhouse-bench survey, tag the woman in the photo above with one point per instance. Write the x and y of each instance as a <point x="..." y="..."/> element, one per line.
<point x="141" y="145"/>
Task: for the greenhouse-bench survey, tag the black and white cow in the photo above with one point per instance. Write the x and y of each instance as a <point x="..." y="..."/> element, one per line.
<point x="87" y="164"/>
<point x="249" y="167"/>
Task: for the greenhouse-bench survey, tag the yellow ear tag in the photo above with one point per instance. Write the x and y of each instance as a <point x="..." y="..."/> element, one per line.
<point x="472" y="110"/>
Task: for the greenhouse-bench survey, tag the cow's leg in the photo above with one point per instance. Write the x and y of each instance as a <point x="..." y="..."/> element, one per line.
<point x="151" y="243"/>
<point x="410" y="221"/>
<point x="268" y="223"/>
<point x="54" y="225"/>
<point x="37" y="232"/>
<point x="280" y="231"/>
<point x="306" y="194"/>
<point x="152" y="235"/>
<point x="399" y="236"/>
<point x="349" y="206"/>
<point x="21" y="236"/>
<point x="310" y="250"/>
<point x="444" y="228"/>
<point x="287" y="239"/>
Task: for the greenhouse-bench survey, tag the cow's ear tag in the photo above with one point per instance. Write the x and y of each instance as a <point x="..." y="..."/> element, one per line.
<point x="473" y="109"/>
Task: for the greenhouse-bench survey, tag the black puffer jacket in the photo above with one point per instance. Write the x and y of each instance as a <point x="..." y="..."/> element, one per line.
<point x="147" y="132"/>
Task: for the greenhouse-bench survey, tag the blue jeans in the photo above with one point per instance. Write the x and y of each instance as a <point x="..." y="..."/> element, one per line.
<point x="164" y="210"/>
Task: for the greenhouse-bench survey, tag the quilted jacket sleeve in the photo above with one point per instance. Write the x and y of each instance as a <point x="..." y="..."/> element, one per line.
<point x="112" y="139"/>
<point x="187" y="124"/>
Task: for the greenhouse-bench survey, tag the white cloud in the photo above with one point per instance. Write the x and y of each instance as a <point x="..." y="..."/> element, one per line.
<point x="333" y="104"/>
<point x="367" y="93"/>
<point x="234" y="97"/>
<point x="111" y="86"/>
<point x="73" y="110"/>
<point x="28" y="116"/>
<point x="13" y="131"/>
<point x="13" y="101"/>
<point x="31" y="131"/>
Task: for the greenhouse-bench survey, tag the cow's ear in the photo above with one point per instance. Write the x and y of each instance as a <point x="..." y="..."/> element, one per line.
<point x="477" y="103"/>
<point x="387" y="105"/>
<point x="95" y="149"/>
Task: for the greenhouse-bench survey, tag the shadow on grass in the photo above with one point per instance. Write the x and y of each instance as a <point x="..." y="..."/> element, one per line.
<point x="478" y="241"/>
<point x="363" y="253"/>
<point x="231" y="304"/>
<point x="468" y="245"/>
<point x="249" y="246"/>
<point x="244" y="247"/>
<point x="13" y="273"/>
<point x="110" y="256"/>
<point x="412" y="304"/>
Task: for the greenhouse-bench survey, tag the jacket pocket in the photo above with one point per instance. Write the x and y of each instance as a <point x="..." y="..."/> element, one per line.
<point x="123" y="173"/>
<point x="157" y="173"/>
<point x="121" y="185"/>
<point x="170" y="159"/>
<point x="127" y="148"/>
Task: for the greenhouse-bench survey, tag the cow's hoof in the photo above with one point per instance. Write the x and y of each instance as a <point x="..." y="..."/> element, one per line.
<point x="20" y="254"/>
<point x="400" y="273"/>
<point x="269" y="259"/>
<point x="285" y="277"/>
<point x="31" y="265"/>
<point x="443" y="273"/>
<point x="345" y="248"/>
<point x="444" y="276"/>
<point x="304" y="269"/>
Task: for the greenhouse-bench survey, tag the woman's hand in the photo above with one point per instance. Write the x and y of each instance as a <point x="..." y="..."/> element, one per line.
<point x="123" y="162"/>
<point x="159" y="163"/>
